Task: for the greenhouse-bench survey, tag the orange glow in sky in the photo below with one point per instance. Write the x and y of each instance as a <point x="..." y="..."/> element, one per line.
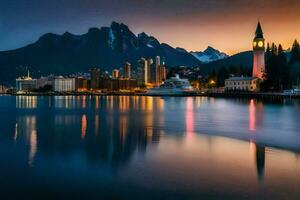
<point x="227" y="25"/>
<point x="229" y="28"/>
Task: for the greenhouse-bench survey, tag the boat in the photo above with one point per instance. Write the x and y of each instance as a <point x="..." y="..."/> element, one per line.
<point x="174" y="86"/>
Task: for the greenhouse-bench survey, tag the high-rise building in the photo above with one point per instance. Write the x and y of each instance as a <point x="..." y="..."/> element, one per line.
<point x="157" y="75"/>
<point x="95" y="78"/>
<point x="142" y="74"/>
<point x="157" y="61"/>
<point x="259" y="53"/>
<point x="153" y="72"/>
<point x="150" y="70"/>
<point x="127" y="71"/>
<point x="162" y="73"/>
<point x="115" y="74"/>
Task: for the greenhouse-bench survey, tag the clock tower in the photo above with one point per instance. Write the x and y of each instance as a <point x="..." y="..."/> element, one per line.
<point x="259" y="53"/>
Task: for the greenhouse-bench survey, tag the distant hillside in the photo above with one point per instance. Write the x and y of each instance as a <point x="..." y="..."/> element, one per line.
<point x="107" y="48"/>
<point x="244" y="59"/>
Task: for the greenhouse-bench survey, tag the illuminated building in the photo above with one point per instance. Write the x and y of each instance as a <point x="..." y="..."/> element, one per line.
<point x="81" y="84"/>
<point x="127" y="71"/>
<point x="158" y="67"/>
<point x="162" y="74"/>
<point x="259" y="53"/>
<point x="149" y="70"/>
<point x="154" y="70"/>
<point x="118" y="84"/>
<point x="142" y="75"/>
<point x="95" y="78"/>
<point x="26" y="84"/>
<point x="115" y="74"/>
<point x="249" y="84"/>
<point x="61" y="84"/>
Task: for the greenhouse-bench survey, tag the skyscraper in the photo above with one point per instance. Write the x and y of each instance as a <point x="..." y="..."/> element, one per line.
<point x="142" y="72"/>
<point x="154" y="70"/>
<point x="157" y="61"/>
<point x="158" y="69"/>
<point x="95" y="78"/>
<point x="150" y="70"/>
<point x="127" y="71"/>
<point x="162" y="73"/>
<point x="259" y="53"/>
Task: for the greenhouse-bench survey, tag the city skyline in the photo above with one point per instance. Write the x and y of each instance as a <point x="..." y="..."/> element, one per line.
<point x="225" y="25"/>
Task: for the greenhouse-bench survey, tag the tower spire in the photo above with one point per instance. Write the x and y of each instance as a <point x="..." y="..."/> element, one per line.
<point x="259" y="33"/>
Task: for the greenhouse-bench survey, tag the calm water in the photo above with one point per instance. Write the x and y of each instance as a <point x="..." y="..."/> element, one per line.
<point x="148" y="148"/>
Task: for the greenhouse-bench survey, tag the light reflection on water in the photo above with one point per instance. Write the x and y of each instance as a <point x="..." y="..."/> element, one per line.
<point x="151" y="147"/>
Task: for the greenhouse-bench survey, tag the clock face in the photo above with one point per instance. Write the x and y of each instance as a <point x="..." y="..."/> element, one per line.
<point x="260" y="44"/>
<point x="254" y="44"/>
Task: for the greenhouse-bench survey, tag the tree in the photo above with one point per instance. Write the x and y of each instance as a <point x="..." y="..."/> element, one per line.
<point x="283" y="68"/>
<point x="294" y="63"/>
<point x="223" y="74"/>
<point x="295" y="53"/>
<point x="277" y="69"/>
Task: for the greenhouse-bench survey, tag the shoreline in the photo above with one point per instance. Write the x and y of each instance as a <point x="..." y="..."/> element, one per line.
<point x="274" y="96"/>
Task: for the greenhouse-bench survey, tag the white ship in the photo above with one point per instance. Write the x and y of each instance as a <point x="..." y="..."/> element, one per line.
<point x="173" y="86"/>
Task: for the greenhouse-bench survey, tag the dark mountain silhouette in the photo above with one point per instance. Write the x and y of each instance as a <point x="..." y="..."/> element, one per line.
<point x="244" y="59"/>
<point x="106" y="48"/>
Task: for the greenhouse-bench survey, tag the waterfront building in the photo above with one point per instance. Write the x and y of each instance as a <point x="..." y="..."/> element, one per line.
<point x="251" y="84"/>
<point x="26" y="84"/>
<point x="247" y="84"/>
<point x="142" y="72"/>
<point x="115" y="74"/>
<point x="81" y="84"/>
<point x="150" y="73"/>
<point x="62" y="84"/>
<point x="95" y="78"/>
<point x="119" y="84"/>
<point x="127" y="71"/>
<point x="259" y="53"/>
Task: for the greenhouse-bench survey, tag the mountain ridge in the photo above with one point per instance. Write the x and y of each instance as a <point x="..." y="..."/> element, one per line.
<point x="105" y="47"/>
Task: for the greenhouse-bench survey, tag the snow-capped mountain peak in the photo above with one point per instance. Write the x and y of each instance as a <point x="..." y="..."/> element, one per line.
<point x="149" y="41"/>
<point x="209" y="54"/>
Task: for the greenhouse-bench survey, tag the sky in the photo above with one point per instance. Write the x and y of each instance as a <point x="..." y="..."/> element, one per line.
<point x="227" y="25"/>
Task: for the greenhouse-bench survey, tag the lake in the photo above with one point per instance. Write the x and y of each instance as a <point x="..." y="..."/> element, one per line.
<point x="121" y="147"/>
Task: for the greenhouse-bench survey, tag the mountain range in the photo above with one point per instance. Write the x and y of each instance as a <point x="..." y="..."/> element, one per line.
<point x="106" y="47"/>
